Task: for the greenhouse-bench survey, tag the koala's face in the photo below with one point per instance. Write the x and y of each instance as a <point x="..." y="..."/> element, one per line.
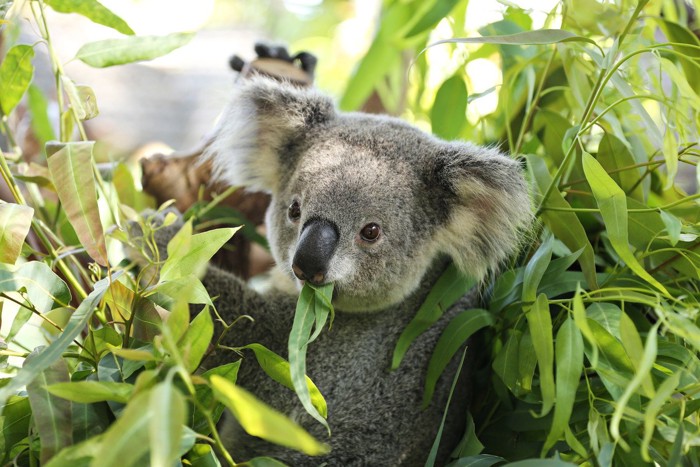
<point x="367" y="202"/>
<point x="350" y="216"/>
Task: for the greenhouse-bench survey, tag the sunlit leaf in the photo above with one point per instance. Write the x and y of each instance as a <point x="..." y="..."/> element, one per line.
<point x="131" y="49"/>
<point x="438" y="10"/>
<point x="92" y="10"/>
<point x="55" y="350"/>
<point x="125" y="443"/>
<point x="15" y="221"/>
<point x="542" y="36"/>
<point x="52" y="415"/>
<point x="259" y="419"/>
<point x="72" y="175"/>
<point x="16" y="71"/>
<point x="613" y="207"/>
<point x="38" y="106"/>
<point x="195" y="342"/>
<point x="448" y="115"/>
<point x="44" y="288"/>
<point x="166" y="424"/>
<point x="450" y="287"/>
<point x="192" y="256"/>
<point x="277" y="368"/>
<point x="455" y="335"/>
<point x="87" y="392"/>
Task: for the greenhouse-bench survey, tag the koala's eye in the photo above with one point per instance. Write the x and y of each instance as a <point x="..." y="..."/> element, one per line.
<point x="294" y="211"/>
<point x="370" y="232"/>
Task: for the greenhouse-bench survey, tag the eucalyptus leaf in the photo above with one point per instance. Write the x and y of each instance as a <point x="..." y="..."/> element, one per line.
<point x="542" y="36"/>
<point x="14" y="423"/>
<point x="52" y="415"/>
<point x="569" y="360"/>
<point x="87" y="392"/>
<point x="166" y="424"/>
<point x="258" y="419"/>
<point x="455" y="335"/>
<point x="311" y="311"/>
<point x="72" y="175"/>
<point x="15" y="221"/>
<point x="54" y="351"/>
<point x="613" y="207"/>
<point x="450" y="287"/>
<point x="16" y="71"/>
<point x="193" y="345"/>
<point x="448" y="115"/>
<point x="125" y="444"/>
<point x="192" y="256"/>
<point x="205" y="396"/>
<point x="92" y="10"/>
<point x="44" y="289"/>
<point x="278" y="369"/>
<point x="111" y="52"/>
<point x="540" y="323"/>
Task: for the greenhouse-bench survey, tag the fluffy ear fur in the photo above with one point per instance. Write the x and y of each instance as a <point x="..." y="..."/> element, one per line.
<point x="491" y="208"/>
<point x="262" y="119"/>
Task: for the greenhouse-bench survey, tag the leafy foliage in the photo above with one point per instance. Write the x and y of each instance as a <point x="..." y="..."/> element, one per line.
<point x="592" y="350"/>
<point x="592" y="338"/>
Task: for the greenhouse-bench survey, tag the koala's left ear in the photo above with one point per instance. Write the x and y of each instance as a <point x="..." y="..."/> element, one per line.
<point x="260" y="124"/>
<point x="490" y="210"/>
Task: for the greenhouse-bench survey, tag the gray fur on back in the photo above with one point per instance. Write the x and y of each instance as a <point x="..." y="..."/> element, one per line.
<point x="434" y="201"/>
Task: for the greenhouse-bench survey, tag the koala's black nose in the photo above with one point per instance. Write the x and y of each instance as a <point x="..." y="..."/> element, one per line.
<point x="317" y="243"/>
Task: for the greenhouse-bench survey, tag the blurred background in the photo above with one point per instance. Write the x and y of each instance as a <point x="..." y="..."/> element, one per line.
<point x="175" y="99"/>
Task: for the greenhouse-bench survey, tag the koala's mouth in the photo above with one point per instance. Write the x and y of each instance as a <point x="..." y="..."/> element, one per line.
<point x="335" y="288"/>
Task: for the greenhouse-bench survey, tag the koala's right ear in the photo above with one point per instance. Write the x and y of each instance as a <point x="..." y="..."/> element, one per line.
<point x="263" y="118"/>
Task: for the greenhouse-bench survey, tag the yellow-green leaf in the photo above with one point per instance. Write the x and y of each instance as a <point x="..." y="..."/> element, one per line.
<point x="259" y="419"/>
<point x="16" y="71"/>
<point x="613" y="208"/>
<point x="166" y="424"/>
<point x="71" y="169"/>
<point x="92" y="10"/>
<point x="87" y="392"/>
<point x="277" y="368"/>
<point x="15" y="221"/>
<point x="130" y="49"/>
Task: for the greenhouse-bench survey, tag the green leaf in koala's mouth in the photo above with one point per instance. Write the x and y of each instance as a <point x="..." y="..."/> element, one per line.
<point x="313" y="309"/>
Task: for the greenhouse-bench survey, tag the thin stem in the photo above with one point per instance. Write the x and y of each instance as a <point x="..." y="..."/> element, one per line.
<point x="673" y="259"/>
<point x="635" y="210"/>
<point x="531" y="110"/>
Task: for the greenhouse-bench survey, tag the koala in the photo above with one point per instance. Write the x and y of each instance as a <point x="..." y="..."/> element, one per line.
<point x="379" y="208"/>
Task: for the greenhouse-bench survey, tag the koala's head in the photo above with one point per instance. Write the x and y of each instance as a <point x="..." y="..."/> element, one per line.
<point x="363" y="201"/>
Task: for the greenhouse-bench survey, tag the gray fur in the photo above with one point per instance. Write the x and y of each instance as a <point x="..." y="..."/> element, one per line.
<point x="434" y="200"/>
